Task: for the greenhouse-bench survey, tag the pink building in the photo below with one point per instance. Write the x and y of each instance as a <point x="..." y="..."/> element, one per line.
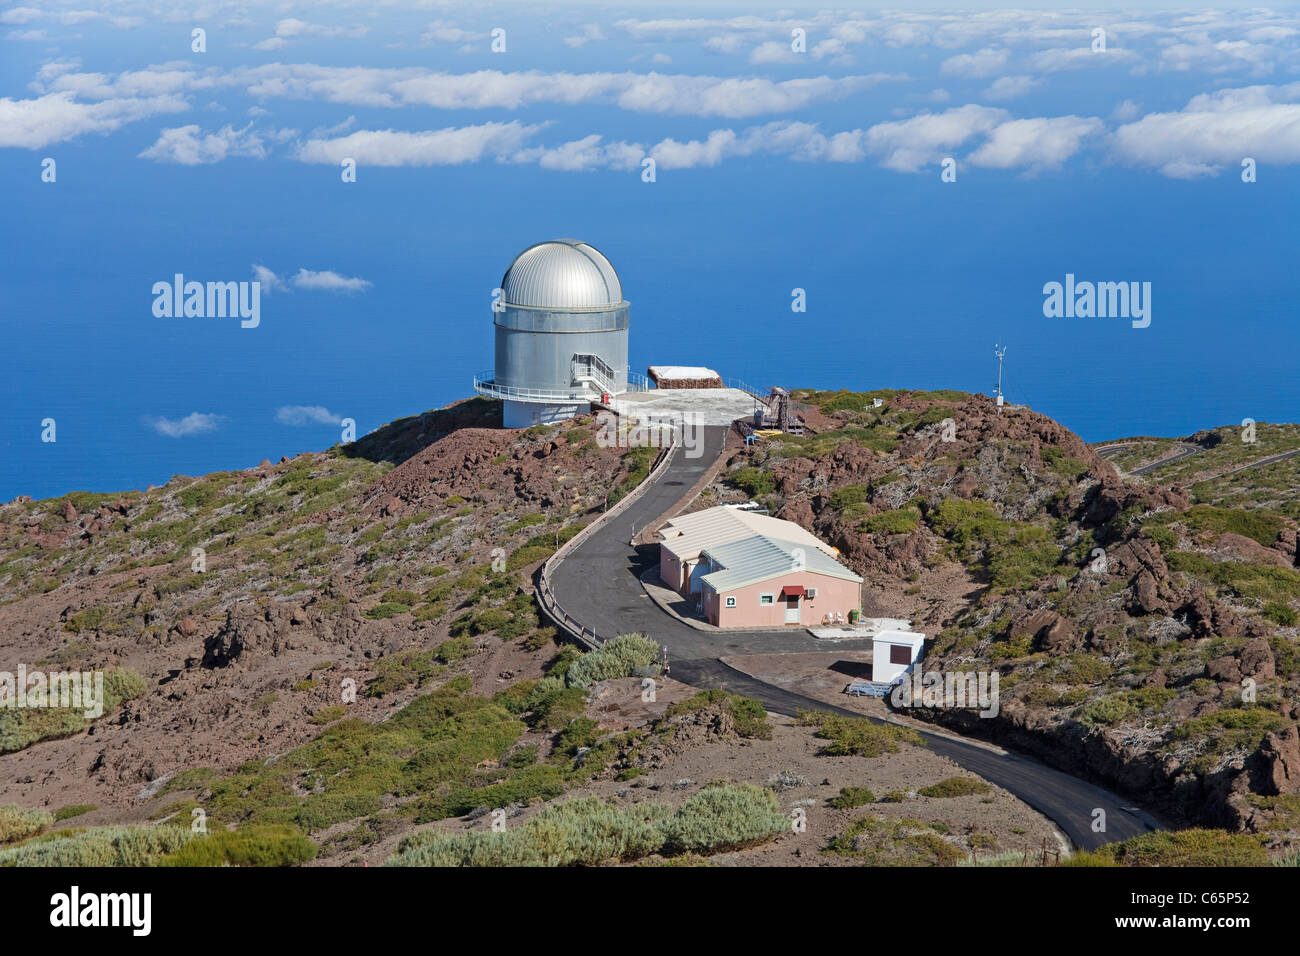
<point x="683" y="538"/>
<point x="765" y="582"/>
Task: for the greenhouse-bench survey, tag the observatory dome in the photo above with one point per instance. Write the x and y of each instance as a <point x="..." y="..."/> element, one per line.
<point x="562" y="274"/>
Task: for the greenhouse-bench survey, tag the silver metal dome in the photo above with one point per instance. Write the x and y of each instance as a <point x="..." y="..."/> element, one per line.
<point x="563" y="274"/>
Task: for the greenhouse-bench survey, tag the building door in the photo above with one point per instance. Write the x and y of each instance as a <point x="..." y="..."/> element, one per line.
<point x="792" y="609"/>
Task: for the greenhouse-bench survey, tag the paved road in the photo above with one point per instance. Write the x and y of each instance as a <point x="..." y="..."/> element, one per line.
<point x="1187" y="452"/>
<point x="598" y="582"/>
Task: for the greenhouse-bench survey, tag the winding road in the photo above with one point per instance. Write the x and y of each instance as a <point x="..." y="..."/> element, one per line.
<point x="598" y="582"/>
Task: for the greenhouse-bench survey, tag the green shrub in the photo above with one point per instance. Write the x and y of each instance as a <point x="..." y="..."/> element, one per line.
<point x="620" y="656"/>
<point x="1280" y="613"/>
<point x="749" y="717"/>
<point x="251" y="846"/>
<point x="385" y="610"/>
<point x="753" y="481"/>
<point x="70" y="811"/>
<point x="841" y="498"/>
<point x="528" y="555"/>
<point x="901" y="521"/>
<point x="327" y="715"/>
<point x="1196" y="847"/>
<point x="99" y="846"/>
<point x="589" y="832"/>
<point x="396" y="596"/>
<point x="726" y="817"/>
<point x="878" y="841"/>
<point x="22" y="727"/>
<point x="955" y="787"/>
<point x="858" y="736"/>
<point x="850" y="797"/>
<point x="586" y="832"/>
<point x="18" y="823"/>
<point x="1105" y="712"/>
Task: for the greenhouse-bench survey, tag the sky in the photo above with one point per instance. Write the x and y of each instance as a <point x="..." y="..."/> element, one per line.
<point x="922" y="176"/>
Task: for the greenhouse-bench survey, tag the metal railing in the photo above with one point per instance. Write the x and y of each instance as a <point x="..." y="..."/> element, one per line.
<point x="484" y="385"/>
<point x="739" y="384"/>
<point x="590" y="368"/>
<point x="636" y="382"/>
<point x="546" y="596"/>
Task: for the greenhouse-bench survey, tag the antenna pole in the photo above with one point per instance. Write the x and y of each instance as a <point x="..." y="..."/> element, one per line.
<point x="999" y="351"/>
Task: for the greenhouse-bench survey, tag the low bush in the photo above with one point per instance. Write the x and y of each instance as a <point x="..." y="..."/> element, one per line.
<point x="748" y="716"/>
<point x="850" y="797"/>
<point x="1197" y="847"/>
<point x="955" y="787"/>
<point x="18" y="823"/>
<point x="251" y="846"/>
<point x="878" y="841"/>
<point x="100" y="846"/>
<point x="620" y="656"/>
<point x="858" y="736"/>
<point x="589" y="832"/>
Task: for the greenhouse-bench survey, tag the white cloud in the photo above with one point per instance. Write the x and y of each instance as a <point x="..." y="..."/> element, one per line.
<point x="908" y="145"/>
<point x="57" y="117"/>
<point x="444" y="147"/>
<point x="302" y="415"/>
<point x="308" y="280"/>
<point x="195" y="423"/>
<point x="1010" y="87"/>
<point x="442" y="31"/>
<point x="328" y="282"/>
<point x="975" y="65"/>
<point x="1221" y="56"/>
<point x="21" y="15"/>
<point x="1079" y="58"/>
<point x="590" y="33"/>
<point x="1216" y="131"/>
<point x="270" y="282"/>
<point x="653" y="92"/>
<point x="727" y="43"/>
<point x="190" y="146"/>
<point x="293" y="27"/>
<point x="1035" y="143"/>
<point x="774" y="51"/>
<point x="1127" y="111"/>
<point x="583" y="154"/>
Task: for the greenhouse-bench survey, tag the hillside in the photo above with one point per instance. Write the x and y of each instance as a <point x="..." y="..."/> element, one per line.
<point x="1125" y="663"/>
<point x="403" y="566"/>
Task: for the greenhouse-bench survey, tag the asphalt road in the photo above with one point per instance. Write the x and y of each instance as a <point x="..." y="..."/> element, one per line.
<point x="598" y="583"/>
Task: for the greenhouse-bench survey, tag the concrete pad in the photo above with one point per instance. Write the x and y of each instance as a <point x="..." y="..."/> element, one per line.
<point x="703" y="406"/>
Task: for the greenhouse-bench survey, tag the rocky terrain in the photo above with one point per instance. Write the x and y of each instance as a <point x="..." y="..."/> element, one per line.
<point x="345" y="646"/>
<point x="1144" y="632"/>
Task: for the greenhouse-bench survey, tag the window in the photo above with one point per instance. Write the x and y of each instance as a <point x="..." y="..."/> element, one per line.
<point x="767" y="599"/>
<point x="731" y="602"/>
<point x="810" y="593"/>
<point x="900" y="654"/>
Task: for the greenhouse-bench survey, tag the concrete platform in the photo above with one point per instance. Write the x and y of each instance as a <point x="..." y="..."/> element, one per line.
<point x="867" y="627"/>
<point x="705" y="406"/>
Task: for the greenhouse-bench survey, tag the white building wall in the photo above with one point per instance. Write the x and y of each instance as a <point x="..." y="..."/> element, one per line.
<point x="884" y="672"/>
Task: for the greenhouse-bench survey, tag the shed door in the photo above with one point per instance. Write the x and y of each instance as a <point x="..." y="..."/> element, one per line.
<point x="792" y="609"/>
<point x="698" y="571"/>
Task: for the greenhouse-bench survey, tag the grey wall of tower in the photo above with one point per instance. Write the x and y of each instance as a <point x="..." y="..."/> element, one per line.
<point x="535" y="347"/>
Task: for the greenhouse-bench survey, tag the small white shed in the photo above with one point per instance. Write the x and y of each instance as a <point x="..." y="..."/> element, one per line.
<point x="893" y="653"/>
